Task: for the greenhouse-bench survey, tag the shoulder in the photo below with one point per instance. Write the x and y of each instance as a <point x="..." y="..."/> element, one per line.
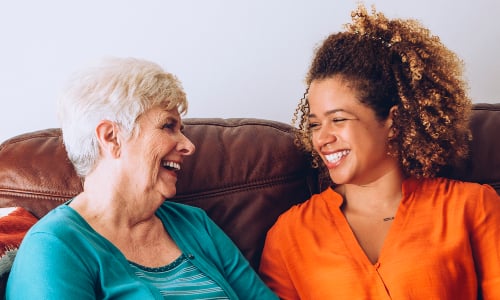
<point x="476" y="204"/>
<point x="310" y="212"/>
<point x="60" y="220"/>
<point x="454" y="193"/>
<point x="66" y="230"/>
<point x="314" y="205"/>
<point x="61" y="235"/>
<point x="451" y="187"/>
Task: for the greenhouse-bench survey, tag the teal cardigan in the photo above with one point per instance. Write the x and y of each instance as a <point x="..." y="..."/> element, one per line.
<point x="62" y="257"/>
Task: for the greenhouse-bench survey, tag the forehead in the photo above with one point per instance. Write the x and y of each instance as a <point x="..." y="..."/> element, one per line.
<point x="158" y="113"/>
<point x="331" y="92"/>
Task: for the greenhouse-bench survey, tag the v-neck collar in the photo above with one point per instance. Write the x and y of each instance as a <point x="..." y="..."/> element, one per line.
<point x="334" y="204"/>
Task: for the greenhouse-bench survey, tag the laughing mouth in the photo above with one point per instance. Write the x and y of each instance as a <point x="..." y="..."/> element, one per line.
<point x="171" y="165"/>
<point x="335" y="157"/>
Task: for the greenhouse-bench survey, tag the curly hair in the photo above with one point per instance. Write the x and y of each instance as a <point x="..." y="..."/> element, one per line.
<point x="398" y="63"/>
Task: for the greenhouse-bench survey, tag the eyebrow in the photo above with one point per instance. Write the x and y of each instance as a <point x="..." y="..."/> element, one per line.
<point x="177" y="121"/>
<point x="173" y="118"/>
<point x="329" y="112"/>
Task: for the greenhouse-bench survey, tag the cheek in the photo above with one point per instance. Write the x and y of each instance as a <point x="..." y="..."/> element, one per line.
<point x="148" y="161"/>
<point x="155" y="148"/>
<point x="314" y="142"/>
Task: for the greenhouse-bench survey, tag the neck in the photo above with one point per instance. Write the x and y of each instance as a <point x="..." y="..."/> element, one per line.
<point x="105" y="199"/>
<point x="379" y="195"/>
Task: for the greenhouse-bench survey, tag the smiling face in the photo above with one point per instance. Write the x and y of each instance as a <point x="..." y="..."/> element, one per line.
<point x="152" y="156"/>
<point x="349" y="138"/>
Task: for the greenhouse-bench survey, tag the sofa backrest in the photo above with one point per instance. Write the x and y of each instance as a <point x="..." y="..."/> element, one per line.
<point x="244" y="173"/>
<point x="483" y="165"/>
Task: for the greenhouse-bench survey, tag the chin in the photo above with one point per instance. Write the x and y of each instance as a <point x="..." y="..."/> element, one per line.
<point x="167" y="189"/>
<point x="169" y="193"/>
<point x="339" y="179"/>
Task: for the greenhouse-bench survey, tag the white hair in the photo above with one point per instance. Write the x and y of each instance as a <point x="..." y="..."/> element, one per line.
<point x="118" y="90"/>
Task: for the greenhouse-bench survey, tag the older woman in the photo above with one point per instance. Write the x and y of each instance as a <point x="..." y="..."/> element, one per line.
<point x="119" y="238"/>
<point x="384" y="113"/>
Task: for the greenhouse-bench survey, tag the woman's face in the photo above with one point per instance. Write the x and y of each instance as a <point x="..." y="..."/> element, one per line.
<point x="347" y="135"/>
<point x="153" y="155"/>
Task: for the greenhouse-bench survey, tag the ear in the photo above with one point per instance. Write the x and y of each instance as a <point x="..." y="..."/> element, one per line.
<point x="390" y="122"/>
<point x="108" y="139"/>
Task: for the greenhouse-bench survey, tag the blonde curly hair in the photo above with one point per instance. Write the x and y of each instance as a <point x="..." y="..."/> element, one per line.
<point x="398" y="63"/>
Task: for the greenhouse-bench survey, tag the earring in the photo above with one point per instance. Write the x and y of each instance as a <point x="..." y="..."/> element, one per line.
<point x="392" y="133"/>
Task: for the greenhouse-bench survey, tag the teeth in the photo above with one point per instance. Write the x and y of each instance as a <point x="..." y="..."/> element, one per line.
<point x="171" y="165"/>
<point x="335" y="157"/>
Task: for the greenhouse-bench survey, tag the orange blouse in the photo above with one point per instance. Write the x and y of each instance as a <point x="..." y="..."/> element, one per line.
<point x="444" y="243"/>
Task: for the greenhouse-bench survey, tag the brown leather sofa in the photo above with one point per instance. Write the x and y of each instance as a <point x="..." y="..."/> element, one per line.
<point x="245" y="172"/>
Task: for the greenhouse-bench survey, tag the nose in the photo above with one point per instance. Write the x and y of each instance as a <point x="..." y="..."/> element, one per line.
<point x="322" y="137"/>
<point x="185" y="146"/>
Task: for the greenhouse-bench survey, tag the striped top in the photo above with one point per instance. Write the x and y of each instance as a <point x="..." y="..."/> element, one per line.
<point x="180" y="280"/>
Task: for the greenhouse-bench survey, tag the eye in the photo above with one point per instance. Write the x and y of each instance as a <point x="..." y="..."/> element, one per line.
<point x="338" y="120"/>
<point x="169" y="126"/>
<point x="312" y="126"/>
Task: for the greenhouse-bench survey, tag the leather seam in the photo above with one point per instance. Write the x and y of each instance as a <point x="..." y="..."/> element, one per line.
<point x="34" y="194"/>
<point x="290" y="179"/>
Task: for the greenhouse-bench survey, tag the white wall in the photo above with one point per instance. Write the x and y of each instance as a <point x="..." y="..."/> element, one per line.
<point x="235" y="58"/>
